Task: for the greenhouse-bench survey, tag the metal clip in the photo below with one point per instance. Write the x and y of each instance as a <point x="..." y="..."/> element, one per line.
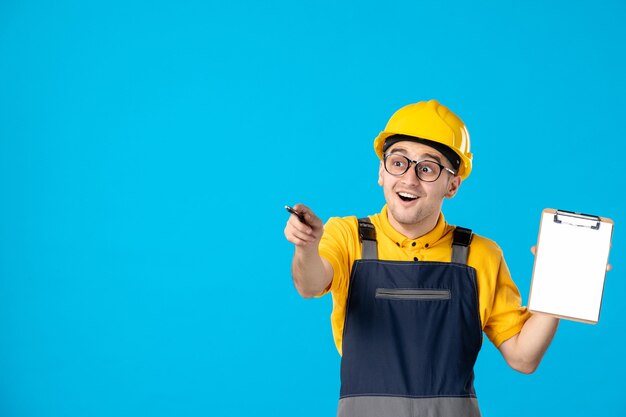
<point x="579" y="216"/>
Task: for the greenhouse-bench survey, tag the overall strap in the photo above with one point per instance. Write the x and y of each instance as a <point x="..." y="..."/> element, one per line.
<point x="460" y="244"/>
<point x="367" y="235"/>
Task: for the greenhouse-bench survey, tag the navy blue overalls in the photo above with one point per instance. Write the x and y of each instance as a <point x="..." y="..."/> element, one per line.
<point x="411" y="336"/>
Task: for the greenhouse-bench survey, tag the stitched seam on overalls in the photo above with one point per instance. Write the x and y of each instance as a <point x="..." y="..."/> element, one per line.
<point x="348" y="298"/>
<point x="406" y="396"/>
<point x="425" y="263"/>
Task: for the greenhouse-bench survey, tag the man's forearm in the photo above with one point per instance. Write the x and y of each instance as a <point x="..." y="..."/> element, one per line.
<point x="311" y="273"/>
<point x="524" y="351"/>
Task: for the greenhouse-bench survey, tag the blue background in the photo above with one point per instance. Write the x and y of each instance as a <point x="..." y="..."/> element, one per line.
<point x="147" y="150"/>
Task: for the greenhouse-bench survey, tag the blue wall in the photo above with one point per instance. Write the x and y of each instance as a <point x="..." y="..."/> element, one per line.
<point x="147" y="150"/>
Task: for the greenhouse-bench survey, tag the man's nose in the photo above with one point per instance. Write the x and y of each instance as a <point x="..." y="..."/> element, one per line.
<point x="410" y="176"/>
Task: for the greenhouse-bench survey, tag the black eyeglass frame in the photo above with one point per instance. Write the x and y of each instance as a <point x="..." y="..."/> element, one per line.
<point x="411" y="161"/>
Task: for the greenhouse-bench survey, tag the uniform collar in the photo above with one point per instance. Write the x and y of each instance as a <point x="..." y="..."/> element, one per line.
<point x="424" y="241"/>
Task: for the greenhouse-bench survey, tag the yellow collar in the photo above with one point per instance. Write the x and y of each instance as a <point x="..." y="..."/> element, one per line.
<point x="425" y="241"/>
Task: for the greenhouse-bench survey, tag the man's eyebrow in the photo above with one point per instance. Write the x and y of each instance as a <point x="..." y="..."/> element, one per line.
<point x="435" y="157"/>
<point x="422" y="156"/>
<point x="399" y="150"/>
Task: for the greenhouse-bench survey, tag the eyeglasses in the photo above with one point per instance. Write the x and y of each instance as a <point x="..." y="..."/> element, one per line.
<point x="426" y="170"/>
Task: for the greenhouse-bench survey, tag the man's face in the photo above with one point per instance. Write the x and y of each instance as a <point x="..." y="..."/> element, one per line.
<point x="411" y="202"/>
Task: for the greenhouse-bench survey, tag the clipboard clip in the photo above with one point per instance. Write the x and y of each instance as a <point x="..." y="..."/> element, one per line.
<point x="578" y="216"/>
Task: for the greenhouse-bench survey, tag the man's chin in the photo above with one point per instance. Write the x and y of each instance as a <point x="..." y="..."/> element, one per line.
<point x="404" y="218"/>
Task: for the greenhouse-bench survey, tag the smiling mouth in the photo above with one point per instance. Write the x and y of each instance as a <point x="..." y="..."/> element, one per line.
<point x="407" y="196"/>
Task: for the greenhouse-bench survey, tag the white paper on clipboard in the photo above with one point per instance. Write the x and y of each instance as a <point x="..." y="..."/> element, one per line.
<point x="570" y="265"/>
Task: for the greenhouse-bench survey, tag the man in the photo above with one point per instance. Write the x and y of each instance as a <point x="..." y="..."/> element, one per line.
<point x="411" y="293"/>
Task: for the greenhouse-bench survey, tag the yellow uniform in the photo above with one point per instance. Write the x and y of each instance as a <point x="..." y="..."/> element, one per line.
<point x="501" y="313"/>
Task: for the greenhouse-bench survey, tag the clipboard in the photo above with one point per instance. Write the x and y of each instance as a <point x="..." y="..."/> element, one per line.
<point x="570" y="265"/>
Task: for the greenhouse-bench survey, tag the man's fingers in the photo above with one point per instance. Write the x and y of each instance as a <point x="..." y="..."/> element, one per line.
<point x="299" y="233"/>
<point x="307" y="237"/>
<point x="299" y="239"/>
<point x="295" y="224"/>
<point x="307" y="233"/>
<point x="310" y="217"/>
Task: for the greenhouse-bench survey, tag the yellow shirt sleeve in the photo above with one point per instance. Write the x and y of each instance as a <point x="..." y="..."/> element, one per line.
<point x="338" y="246"/>
<point x="499" y="298"/>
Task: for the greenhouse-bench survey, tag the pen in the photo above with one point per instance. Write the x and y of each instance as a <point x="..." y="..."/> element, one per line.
<point x="297" y="213"/>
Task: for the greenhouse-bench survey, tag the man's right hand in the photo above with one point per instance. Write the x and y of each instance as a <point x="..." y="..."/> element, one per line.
<point x="304" y="235"/>
<point x="312" y="274"/>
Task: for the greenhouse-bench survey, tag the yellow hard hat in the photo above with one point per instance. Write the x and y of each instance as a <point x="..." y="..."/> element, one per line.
<point x="434" y="122"/>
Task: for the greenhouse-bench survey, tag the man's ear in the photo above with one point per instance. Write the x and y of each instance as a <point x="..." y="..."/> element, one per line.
<point x="453" y="186"/>
<point x="380" y="173"/>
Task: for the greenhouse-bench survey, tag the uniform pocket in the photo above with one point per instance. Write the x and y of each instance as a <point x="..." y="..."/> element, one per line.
<point x="425" y="294"/>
